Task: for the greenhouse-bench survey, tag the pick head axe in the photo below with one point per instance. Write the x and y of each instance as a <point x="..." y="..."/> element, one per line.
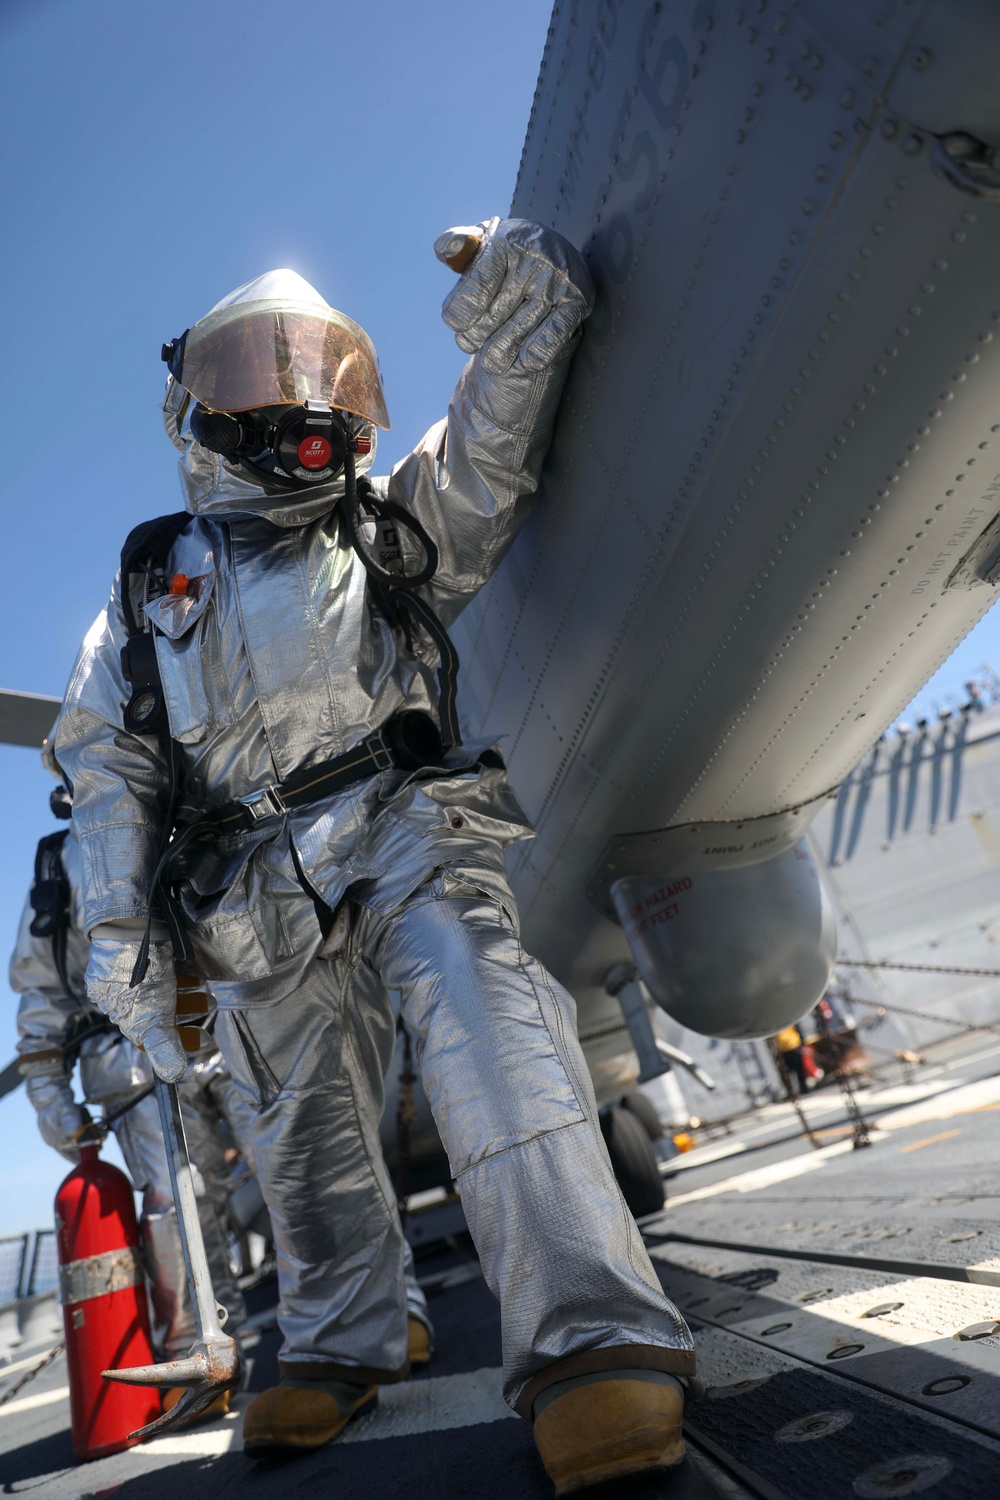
<point x="212" y="1365"/>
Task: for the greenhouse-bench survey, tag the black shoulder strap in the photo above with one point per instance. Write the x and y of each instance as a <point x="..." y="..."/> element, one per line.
<point x="50" y="901"/>
<point x="48" y="866"/>
<point x="146" y="549"/>
<point x="145" y="552"/>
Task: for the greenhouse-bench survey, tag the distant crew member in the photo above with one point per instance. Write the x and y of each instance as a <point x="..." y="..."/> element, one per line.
<point x="289" y="692"/>
<point x="788" y="1046"/>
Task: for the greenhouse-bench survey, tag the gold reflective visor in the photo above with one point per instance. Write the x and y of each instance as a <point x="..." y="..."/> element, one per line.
<point x="276" y="353"/>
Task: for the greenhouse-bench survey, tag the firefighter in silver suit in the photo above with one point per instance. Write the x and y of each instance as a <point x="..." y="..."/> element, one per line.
<point x="328" y="825"/>
<point x="56" y="1024"/>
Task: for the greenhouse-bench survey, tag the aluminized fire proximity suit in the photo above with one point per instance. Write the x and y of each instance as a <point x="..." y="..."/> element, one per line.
<point x="283" y="661"/>
<point x="112" y="1071"/>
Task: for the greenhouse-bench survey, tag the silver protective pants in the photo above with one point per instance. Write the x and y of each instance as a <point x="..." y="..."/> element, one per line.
<point x="140" y="1138"/>
<point x="509" y="1089"/>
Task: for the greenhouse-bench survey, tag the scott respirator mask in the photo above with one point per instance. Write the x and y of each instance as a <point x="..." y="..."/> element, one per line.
<point x="283" y="385"/>
<point x="304" y="444"/>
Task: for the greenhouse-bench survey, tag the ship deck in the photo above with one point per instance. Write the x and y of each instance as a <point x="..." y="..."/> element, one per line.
<point x="846" y="1306"/>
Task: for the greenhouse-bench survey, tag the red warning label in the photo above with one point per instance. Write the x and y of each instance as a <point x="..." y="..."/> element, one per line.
<point x="314" y="452"/>
<point x="658" y="907"/>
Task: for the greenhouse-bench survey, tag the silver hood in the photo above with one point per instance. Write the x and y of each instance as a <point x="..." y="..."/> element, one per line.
<point x="213" y="487"/>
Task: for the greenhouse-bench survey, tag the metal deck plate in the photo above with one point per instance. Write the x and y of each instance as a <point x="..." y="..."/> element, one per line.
<point x="809" y="1436"/>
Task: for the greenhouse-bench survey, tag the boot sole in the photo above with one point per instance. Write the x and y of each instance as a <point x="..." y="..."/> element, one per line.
<point x="612" y="1478"/>
<point x="285" y="1449"/>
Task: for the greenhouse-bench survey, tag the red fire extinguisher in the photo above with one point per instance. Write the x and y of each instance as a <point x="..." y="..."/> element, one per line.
<point x="103" y="1293"/>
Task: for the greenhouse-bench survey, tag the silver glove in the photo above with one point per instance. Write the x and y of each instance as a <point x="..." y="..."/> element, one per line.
<point x="522" y="300"/>
<point x="59" y="1115"/>
<point x="144" y="1012"/>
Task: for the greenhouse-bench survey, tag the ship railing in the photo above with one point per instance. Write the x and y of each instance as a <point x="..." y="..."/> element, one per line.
<point x="29" y="1279"/>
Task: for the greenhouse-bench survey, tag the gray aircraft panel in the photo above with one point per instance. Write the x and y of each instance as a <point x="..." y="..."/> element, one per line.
<point x="778" y="436"/>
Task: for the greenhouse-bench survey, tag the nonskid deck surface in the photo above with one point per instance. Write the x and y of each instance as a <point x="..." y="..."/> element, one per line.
<point x="444" y="1435"/>
<point x="824" y="1380"/>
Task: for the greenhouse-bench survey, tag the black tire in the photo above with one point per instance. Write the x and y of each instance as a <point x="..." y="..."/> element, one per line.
<point x="636" y="1103"/>
<point x="633" y="1161"/>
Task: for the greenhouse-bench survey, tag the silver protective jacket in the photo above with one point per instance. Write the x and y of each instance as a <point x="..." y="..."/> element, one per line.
<point x="277" y="659"/>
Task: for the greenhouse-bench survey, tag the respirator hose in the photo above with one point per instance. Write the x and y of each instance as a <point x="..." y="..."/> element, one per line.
<point x="389" y="510"/>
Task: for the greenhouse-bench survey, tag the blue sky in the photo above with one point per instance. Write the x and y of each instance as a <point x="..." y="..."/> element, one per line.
<point x="154" y="156"/>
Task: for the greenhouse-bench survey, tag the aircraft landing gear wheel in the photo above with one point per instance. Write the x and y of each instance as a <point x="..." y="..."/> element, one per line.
<point x="633" y="1161"/>
<point x="637" y="1104"/>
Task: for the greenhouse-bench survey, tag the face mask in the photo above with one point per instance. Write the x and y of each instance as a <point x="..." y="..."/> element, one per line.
<point x="291" y="446"/>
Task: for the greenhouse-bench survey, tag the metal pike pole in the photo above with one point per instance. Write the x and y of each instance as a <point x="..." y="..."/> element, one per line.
<point x="212" y="1364"/>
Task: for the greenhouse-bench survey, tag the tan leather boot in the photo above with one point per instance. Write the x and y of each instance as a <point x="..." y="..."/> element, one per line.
<point x="291" y="1419"/>
<point x="418" y="1341"/>
<point x="610" y="1429"/>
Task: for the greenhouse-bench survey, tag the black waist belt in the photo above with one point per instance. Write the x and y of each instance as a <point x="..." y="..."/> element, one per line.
<point x="402" y="745"/>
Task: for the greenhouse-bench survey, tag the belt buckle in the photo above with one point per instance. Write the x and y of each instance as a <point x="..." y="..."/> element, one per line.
<point x="265" y="804"/>
<point x="381" y="752"/>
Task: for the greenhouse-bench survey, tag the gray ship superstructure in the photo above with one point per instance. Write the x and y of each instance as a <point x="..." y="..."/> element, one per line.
<point x="911" y="850"/>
